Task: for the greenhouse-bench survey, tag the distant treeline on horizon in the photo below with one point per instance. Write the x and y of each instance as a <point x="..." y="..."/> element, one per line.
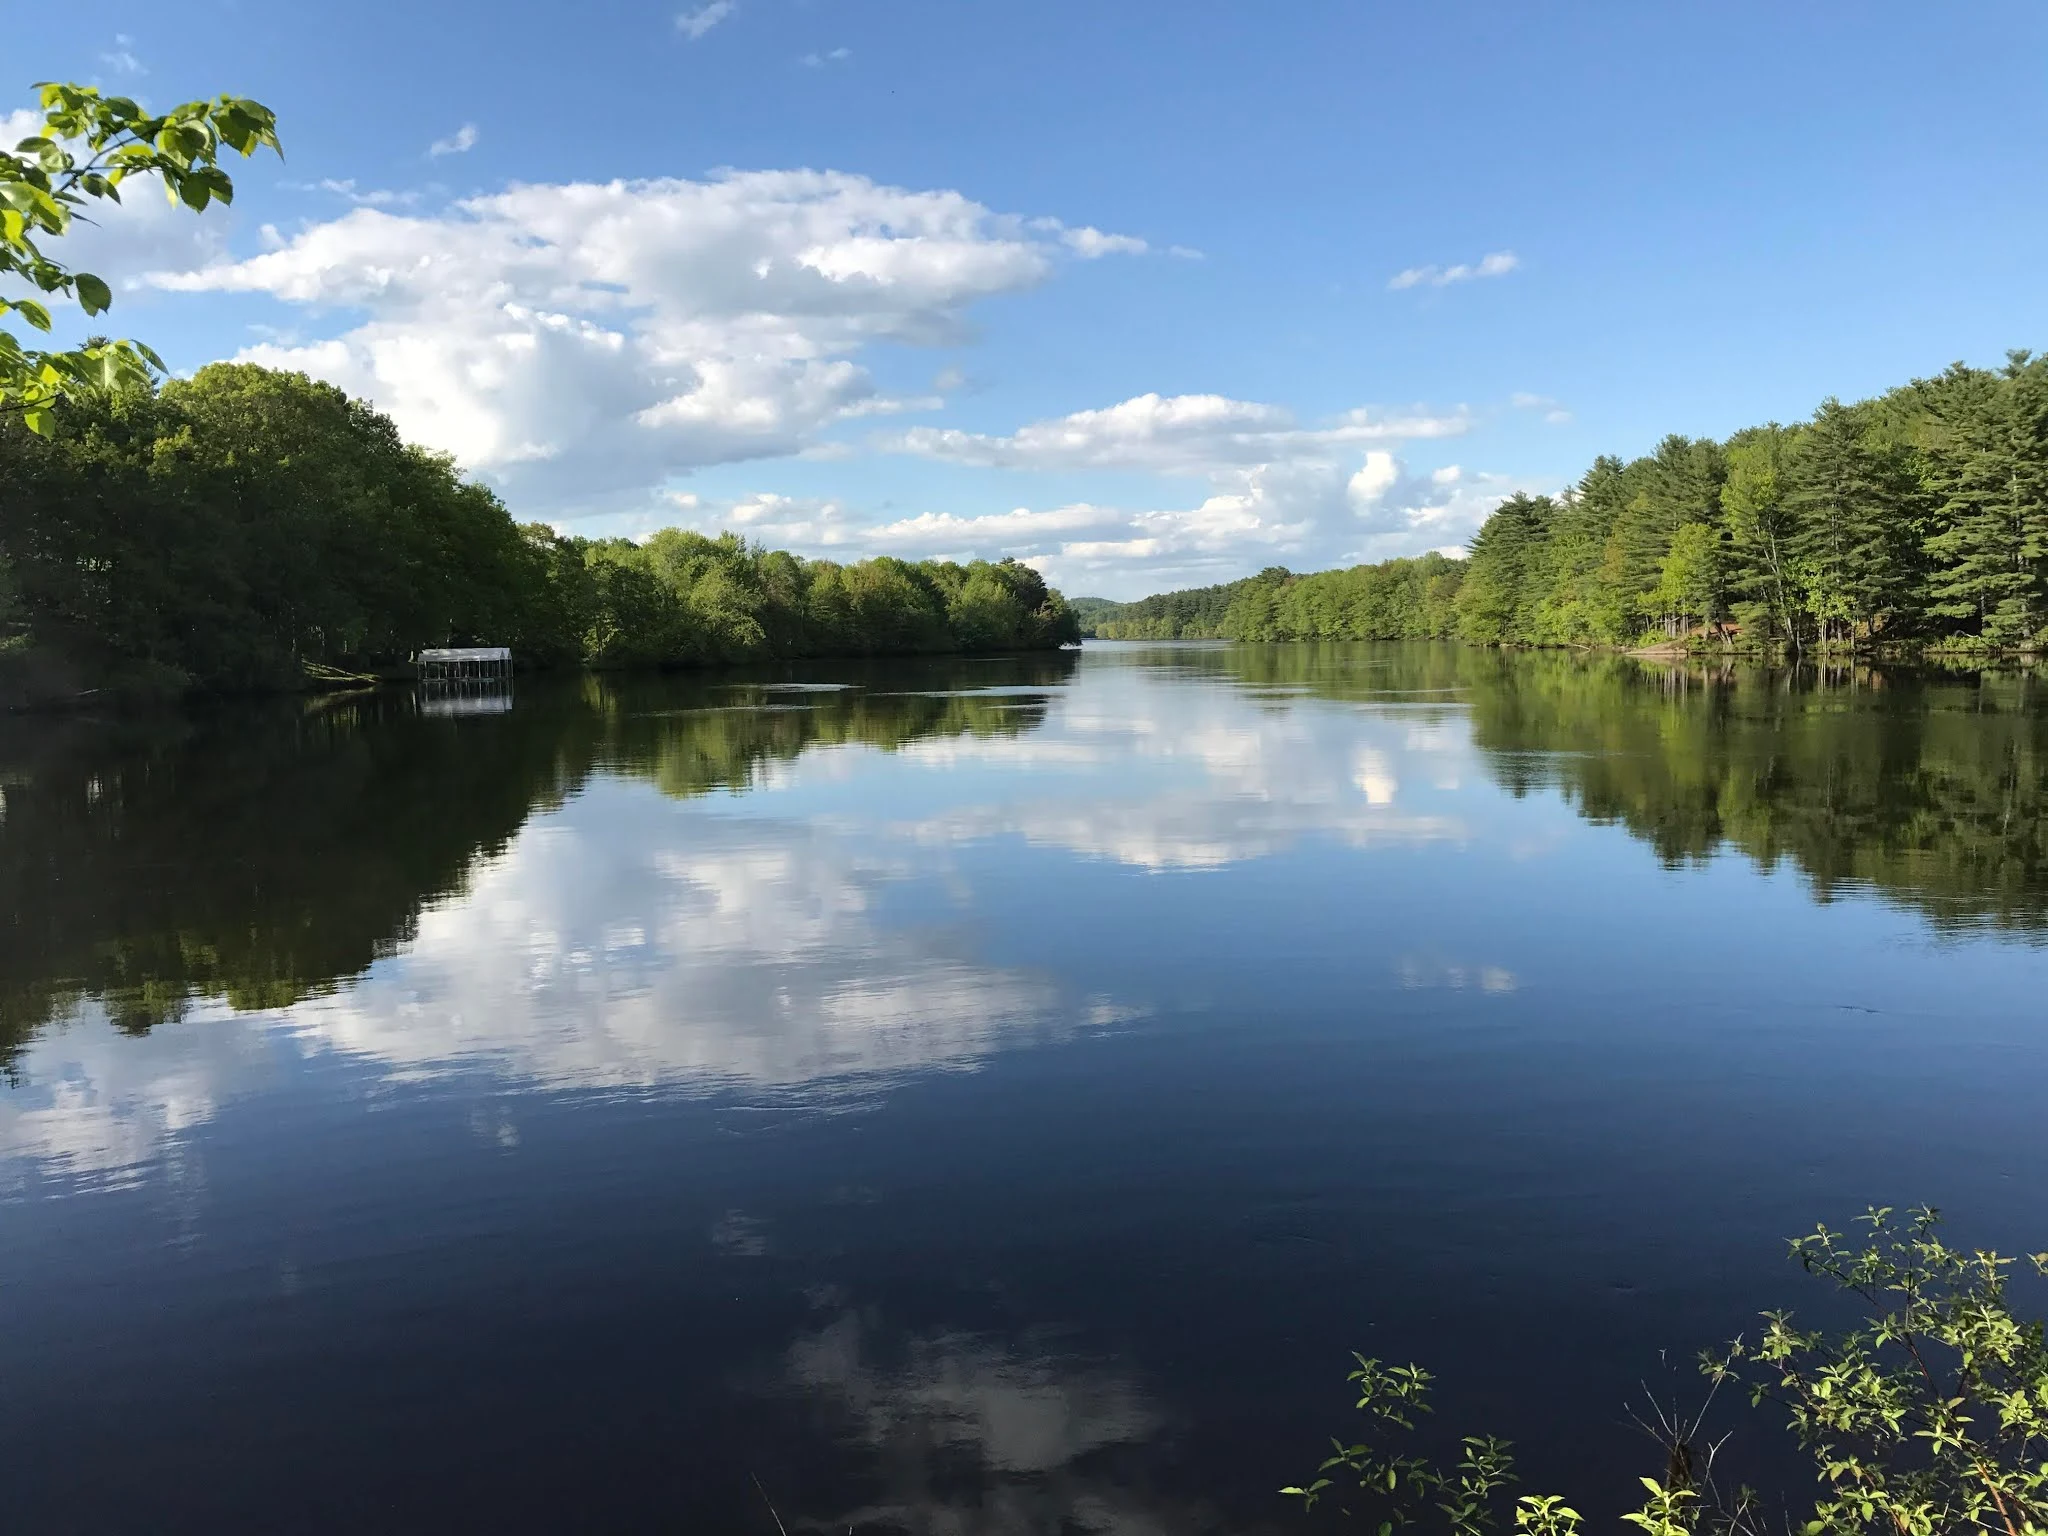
<point x="1918" y="517"/>
<point x="234" y="530"/>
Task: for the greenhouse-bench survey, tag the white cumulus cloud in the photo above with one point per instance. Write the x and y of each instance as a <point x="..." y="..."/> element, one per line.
<point x="1278" y="491"/>
<point x="581" y="342"/>
<point x="694" y="24"/>
<point x="1493" y="264"/>
<point x="1274" y="492"/>
<point x="460" y="142"/>
<point x="121" y="58"/>
<point x="1090" y="242"/>
<point x="1173" y="434"/>
<point x="1554" y="411"/>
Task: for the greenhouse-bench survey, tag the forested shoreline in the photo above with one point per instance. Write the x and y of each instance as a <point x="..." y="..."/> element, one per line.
<point x="1918" y="519"/>
<point x="248" y="529"/>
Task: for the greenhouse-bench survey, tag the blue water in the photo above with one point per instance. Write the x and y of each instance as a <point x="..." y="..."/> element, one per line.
<point x="985" y="1096"/>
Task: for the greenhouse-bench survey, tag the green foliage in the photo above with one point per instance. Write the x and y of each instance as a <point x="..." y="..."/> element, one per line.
<point x="1756" y="505"/>
<point x="239" y="528"/>
<point x="1500" y="586"/>
<point x="1402" y="1487"/>
<point x="87" y="147"/>
<point x="1930" y="1417"/>
<point x="1854" y="545"/>
<point x="1197" y="613"/>
<point x="1394" y="600"/>
<point x="1920" y="516"/>
<point x="1990" y="541"/>
<point x="1087" y="610"/>
<point x="1692" y="583"/>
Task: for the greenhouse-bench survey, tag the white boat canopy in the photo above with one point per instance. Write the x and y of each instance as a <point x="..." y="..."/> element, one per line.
<point x="460" y="653"/>
<point x="461" y="665"/>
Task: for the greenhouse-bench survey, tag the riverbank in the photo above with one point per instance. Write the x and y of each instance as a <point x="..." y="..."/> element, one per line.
<point x="231" y="530"/>
<point x="46" y="682"/>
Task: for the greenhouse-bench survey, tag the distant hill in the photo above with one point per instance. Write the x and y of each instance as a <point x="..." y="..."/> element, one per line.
<point x="1194" y="614"/>
<point x="1088" y="609"/>
<point x="1394" y="600"/>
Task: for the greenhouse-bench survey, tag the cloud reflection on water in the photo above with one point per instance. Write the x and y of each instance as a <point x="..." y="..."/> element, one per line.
<point x="1167" y="778"/>
<point x="971" y="1433"/>
<point x="628" y="942"/>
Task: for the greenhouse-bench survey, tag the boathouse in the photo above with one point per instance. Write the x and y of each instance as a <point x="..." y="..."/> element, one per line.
<point x="466" y="664"/>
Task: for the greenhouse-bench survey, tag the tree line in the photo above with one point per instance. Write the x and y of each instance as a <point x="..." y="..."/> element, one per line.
<point x="234" y="530"/>
<point x="1919" y="518"/>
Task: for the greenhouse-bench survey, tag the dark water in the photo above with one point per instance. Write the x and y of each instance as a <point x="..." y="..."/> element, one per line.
<point x="978" y="1097"/>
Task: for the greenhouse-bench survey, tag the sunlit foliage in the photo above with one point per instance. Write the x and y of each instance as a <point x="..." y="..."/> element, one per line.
<point x="86" y="148"/>
<point x="1927" y="1417"/>
<point x="1918" y="517"/>
<point x="229" y="530"/>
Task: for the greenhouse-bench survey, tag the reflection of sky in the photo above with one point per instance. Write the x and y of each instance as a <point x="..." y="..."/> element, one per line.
<point x="995" y="1117"/>
<point x="858" y="914"/>
<point x="1025" y="1421"/>
<point x="816" y="927"/>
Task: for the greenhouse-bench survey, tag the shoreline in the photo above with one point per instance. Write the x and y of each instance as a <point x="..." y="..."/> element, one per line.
<point x="21" y="698"/>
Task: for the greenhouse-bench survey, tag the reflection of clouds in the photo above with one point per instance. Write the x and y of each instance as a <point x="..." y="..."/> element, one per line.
<point x="1374" y="777"/>
<point x="1224" y="775"/>
<point x="1005" y="751"/>
<point x="666" y="949"/>
<point x="623" y="942"/>
<point x="740" y="1236"/>
<point x="617" y="944"/>
<point x="972" y="1434"/>
<point x="1418" y="971"/>
<point x="94" y="1105"/>
<point x="1181" y="831"/>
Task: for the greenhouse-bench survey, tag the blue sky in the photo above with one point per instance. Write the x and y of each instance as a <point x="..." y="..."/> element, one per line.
<point x="1109" y="287"/>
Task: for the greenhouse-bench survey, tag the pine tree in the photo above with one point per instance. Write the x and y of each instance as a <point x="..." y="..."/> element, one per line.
<point x="1763" y="525"/>
<point x="1678" y="485"/>
<point x="1991" y="551"/>
<point x="1580" y="604"/>
<point x="1853" y="548"/>
<point x="1498" y="595"/>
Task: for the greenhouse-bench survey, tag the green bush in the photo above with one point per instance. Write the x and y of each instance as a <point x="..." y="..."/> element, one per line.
<point x="1930" y="1417"/>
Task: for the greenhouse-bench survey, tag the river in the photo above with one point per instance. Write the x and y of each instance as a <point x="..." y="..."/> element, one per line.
<point x="973" y="1095"/>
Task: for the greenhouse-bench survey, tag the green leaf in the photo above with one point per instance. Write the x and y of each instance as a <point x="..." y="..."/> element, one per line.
<point x="32" y="312"/>
<point x="94" y="297"/>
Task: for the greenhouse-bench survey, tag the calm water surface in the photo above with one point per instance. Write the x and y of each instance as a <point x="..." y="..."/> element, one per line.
<point x="979" y="1096"/>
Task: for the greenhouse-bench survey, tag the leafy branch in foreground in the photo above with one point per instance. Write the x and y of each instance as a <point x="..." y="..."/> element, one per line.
<point x="89" y="144"/>
<point x="1929" y="1418"/>
<point x="1405" y="1487"/>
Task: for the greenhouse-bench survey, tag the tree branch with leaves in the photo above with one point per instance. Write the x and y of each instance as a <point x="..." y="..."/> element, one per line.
<point x="1929" y="1418"/>
<point x="88" y="146"/>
